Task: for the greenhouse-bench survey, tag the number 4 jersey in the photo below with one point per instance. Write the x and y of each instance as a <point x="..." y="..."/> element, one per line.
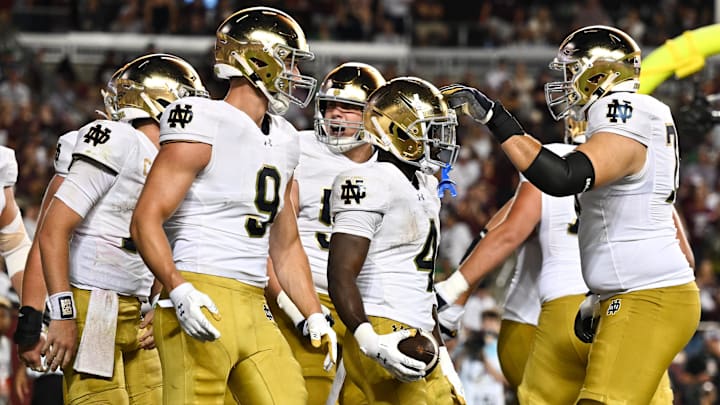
<point x="627" y="236"/>
<point x="379" y="203"/>
<point x="222" y="226"/>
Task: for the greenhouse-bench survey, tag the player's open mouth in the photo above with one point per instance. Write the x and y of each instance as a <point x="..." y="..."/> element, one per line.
<point x="337" y="130"/>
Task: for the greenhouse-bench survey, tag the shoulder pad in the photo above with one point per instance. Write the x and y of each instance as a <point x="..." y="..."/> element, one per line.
<point x="359" y="190"/>
<point x="106" y="142"/>
<point x="621" y="113"/>
<point x="192" y="119"/>
<point x="63" y="152"/>
<point x="8" y="167"/>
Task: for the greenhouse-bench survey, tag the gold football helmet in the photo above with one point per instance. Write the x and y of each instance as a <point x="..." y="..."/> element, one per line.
<point x="408" y="117"/>
<point x="265" y="46"/>
<point x="594" y="60"/>
<point x="148" y="84"/>
<point x="351" y="84"/>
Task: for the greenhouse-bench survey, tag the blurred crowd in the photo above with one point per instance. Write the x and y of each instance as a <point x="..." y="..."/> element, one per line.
<point x="40" y="101"/>
<point x="489" y="23"/>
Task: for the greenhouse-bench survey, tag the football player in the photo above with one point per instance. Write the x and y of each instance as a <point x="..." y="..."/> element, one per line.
<point x="385" y="237"/>
<point x="627" y="175"/>
<point x="545" y="291"/>
<point x="34" y="292"/>
<point x="336" y="144"/>
<point x="14" y="241"/>
<point x="212" y="209"/>
<point x="95" y="278"/>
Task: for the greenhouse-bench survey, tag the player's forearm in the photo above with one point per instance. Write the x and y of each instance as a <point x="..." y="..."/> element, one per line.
<point x="33" y="288"/>
<point x="54" y="251"/>
<point x="153" y="246"/>
<point x="346" y="297"/>
<point x="521" y="150"/>
<point x="273" y="287"/>
<point x="490" y="253"/>
<point x="293" y="273"/>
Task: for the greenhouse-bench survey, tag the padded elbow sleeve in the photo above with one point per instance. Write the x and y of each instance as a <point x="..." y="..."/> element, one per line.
<point x="14" y="245"/>
<point x="561" y="176"/>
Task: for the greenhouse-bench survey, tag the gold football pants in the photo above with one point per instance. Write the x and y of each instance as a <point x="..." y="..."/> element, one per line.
<point x="136" y="376"/>
<point x="251" y="357"/>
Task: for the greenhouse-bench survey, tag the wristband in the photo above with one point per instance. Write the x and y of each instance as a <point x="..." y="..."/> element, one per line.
<point x="29" y="327"/>
<point x="62" y="306"/>
<point x="452" y="288"/>
<point x="502" y="124"/>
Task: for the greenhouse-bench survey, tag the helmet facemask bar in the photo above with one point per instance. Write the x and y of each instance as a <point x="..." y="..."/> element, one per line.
<point x="325" y="128"/>
<point x="439" y="142"/>
<point x="289" y="83"/>
<point x="275" y="77"/>
<point x="562" y="96"/>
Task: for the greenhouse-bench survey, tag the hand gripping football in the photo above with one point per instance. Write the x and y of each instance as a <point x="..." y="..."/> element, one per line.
<point x="423" y="347"/>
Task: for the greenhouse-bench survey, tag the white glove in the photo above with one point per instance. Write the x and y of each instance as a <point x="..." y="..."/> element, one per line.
<point x="383" y="349"/>
<point x="188" y="304"/>
<point x="449" y="372"/>
<point x="321" y="333"/>
<point x="450" y="320"/>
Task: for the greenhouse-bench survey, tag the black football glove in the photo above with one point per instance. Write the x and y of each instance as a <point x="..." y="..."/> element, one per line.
<point x="587" y="318"/>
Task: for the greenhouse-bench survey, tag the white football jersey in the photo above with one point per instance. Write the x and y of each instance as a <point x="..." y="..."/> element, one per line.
<point x="522" y="300"/>
<point x="627" y="235"/>
<point x="8" y="171"/>
<point x="63" y="152"/>
<point x="396" y="280"/>
<point x="222" y="226"/>
<point x="101" y="254"/>
<point x="315" y="174"/>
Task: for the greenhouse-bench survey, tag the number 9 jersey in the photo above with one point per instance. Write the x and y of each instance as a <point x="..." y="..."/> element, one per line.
<point x="237" y="195"/>
<point x="379" y="203"/>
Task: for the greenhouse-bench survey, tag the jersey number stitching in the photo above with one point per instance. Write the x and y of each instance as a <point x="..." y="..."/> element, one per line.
<point x="425" y="260"/>
<point x="254" y="225"/>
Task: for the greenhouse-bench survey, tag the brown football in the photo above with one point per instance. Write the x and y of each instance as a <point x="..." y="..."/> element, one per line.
<point x="419" y="347"/>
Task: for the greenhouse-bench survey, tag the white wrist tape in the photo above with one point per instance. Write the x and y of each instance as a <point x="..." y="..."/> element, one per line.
<point x="452" y="288"/>
<point x="62" y="306"/>
<point x="289" y="307"/>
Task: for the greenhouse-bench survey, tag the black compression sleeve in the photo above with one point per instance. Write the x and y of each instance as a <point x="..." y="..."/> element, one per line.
<point x="561" y="176"/>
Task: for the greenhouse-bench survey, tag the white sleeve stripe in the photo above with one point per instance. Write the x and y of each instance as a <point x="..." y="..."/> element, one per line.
<point x="84" y="186"/>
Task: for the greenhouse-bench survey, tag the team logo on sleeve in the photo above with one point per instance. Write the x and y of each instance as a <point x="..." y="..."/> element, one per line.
<point x="97" y="135"/>
<point x="353" y="190"/>
<point x="619" y="111"/>
<point x="180" y="115"/>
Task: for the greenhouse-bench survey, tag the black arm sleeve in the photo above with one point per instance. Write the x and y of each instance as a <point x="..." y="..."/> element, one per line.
<point x="561" y="176"/>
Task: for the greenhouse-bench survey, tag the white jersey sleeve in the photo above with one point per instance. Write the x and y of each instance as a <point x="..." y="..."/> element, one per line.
<point x="181" y="122"/>
<point x="617" y="113"/>
<point x="107" y="143"/>
<point x="8" y="167"/>
<point x="359" y="190"/>
<point x="63" y="152"/>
